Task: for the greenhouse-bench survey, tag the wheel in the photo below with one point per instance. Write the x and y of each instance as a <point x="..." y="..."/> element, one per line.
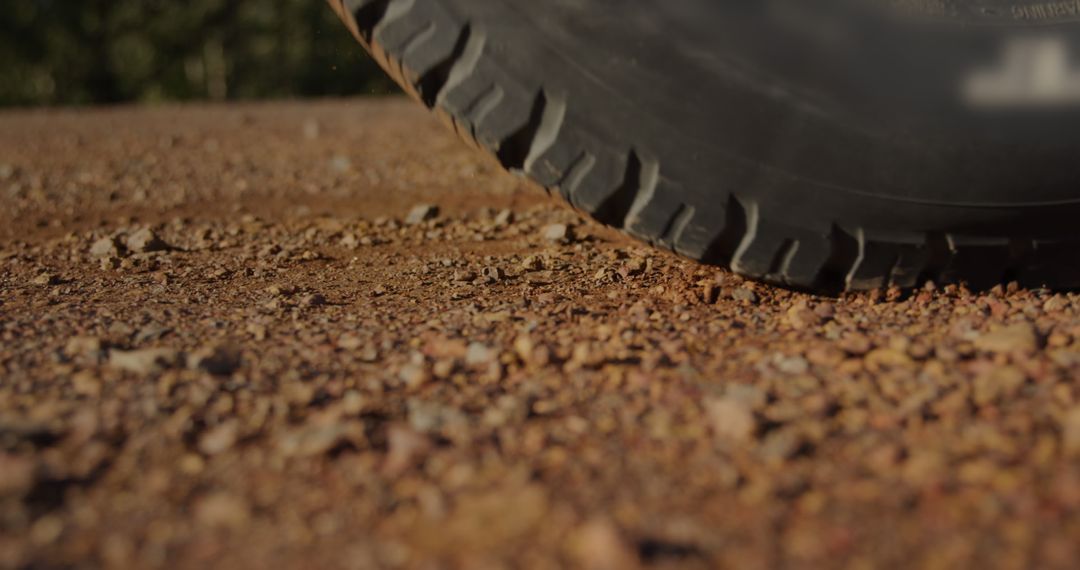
<point x="826" y="146"/>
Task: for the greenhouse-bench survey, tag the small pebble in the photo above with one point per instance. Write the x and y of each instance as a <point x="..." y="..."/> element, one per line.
<point x="414" y="375"/>
<point x="532" y="263"/>
<point x="464" y="275"/>
<point x="106" y="247"/>
<point x="1020" y="337"/>
<point x="422" y="213"/>
<point x="45" y="278"/>
<point x="491" y="274"/>
<point x="145" y="241"/>
<point x="145" y="361"/>
<point x="220" y="439"/>
<point x="504" y="218"/>
<point x="557" y="233"/>
<point x="743" y="294"/>
<point x="730" y="419"/>
<point x="479" y="354"/>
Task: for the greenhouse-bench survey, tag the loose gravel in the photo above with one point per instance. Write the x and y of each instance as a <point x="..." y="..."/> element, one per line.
<point x="326" y="335"/>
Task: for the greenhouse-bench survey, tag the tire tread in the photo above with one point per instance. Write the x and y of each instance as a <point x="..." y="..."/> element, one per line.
<point x="442" y="59"/>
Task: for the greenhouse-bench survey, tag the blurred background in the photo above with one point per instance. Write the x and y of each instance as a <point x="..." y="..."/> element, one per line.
<point x="87" y="52"/>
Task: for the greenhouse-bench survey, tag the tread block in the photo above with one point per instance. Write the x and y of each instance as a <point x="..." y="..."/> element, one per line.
<point x="365" y="14"/>
<point x="805" y="264"/>
<point x="600" y="183"/>
<point x="400" y="24"/>
<point x="908" y="267"/>
<point x="463" y="86"/>
<point x="656" y="213"/>
<point x="982" y="263"/>
<point x="1054" y="263"/>
<point x="549" y="117"/>
<point x="763" y="249"/>
<point x="419" y="33"/>
<point x="698" y="236"/>
<point x="486" y="102"/>
<point x="493" y="125"/>
<point x="885" y="260"/>
<point x="460" y="99"/>
<point x="551" y="166"/>
<point x="872" y="267"/>
<point x="640" y="179"/>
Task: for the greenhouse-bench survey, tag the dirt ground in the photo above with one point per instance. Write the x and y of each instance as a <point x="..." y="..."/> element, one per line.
<point x="238" y="337"/>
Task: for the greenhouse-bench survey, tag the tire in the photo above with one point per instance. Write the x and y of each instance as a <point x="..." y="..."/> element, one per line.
<point x="845" y="147"/>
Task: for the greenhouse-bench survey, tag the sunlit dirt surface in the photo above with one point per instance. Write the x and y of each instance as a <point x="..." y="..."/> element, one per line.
<point x="224" y="343"/>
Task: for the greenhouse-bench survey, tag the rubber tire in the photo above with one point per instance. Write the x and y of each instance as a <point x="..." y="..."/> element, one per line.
<point x="794" y="161"/>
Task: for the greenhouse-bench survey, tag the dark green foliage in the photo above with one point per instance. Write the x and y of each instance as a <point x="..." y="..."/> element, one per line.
<point x="55" y="52"/>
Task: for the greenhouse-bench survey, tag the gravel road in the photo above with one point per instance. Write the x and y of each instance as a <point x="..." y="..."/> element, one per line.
<point x="330" y="335"/>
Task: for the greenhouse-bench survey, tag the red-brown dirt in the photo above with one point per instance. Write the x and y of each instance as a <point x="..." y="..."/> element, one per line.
<point x="223" y="342"/>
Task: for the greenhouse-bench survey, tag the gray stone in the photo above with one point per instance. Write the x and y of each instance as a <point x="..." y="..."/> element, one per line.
<point x="145" y="361"/>
<point x="421" y="214"/>
<point x="504" y="217"/>
<point x="744" y="294"/>
<point x="105" y="247"/>
<point x="145" y="241"/>
<point x="557" y="232"/>
<point x="479" y="354"/>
